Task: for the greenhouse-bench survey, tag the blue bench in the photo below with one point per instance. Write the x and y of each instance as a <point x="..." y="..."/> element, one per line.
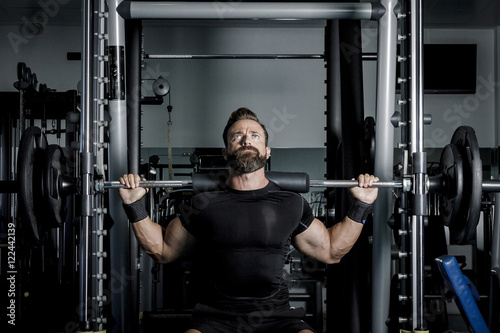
<point x="464" y="293"/>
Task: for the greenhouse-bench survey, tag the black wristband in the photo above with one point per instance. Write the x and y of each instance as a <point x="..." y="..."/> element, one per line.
<point x="135" y="211"/>
<point x="359" y="211"/>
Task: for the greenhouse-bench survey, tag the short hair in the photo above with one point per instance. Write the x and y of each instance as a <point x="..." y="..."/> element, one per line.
<point x="242" y="114"/>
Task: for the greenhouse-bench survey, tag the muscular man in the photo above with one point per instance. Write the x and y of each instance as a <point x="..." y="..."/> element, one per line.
<point x="242" y="235"/>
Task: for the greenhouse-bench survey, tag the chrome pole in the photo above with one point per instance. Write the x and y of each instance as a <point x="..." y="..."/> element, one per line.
<point x="145" y="10"/>
<point x="419" y="165"/>
<point x="384" y="161"/>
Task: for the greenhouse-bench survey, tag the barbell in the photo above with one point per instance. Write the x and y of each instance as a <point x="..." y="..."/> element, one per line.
<point x="289" y="181"/>
<point x="44" y="183"/>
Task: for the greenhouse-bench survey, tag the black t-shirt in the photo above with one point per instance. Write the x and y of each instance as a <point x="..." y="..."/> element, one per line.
<point x="243" y="239"/>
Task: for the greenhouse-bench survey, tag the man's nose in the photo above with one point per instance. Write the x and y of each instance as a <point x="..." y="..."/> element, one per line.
<point x="245" y="141"/>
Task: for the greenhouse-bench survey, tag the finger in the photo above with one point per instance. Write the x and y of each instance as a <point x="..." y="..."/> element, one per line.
<point x="131" y="181"/>
<point x="360" y="180"/>
<point x="126" y="180"/>
<point x="370" y="179"/>
<point x="363" y="180"/>
<point x="146" y="188"/>
<point x="137" y="180"/>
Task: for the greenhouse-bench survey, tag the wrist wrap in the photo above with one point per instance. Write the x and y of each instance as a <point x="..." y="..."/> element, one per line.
<point x="359" y="211"/>
<point x="135" y="211"/>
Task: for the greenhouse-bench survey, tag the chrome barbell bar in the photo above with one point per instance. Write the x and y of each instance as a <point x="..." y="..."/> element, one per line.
<point x="145" y="183"/>
<point x="353" y="183"/>
<point x="487" y="185"/>
<point x="101" y="184"/>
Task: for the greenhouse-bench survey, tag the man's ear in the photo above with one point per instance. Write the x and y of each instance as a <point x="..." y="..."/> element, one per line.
<point x="268" y="152"/>
<point x="224" y="153"/>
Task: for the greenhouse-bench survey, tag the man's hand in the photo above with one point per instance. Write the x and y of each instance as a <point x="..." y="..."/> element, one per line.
<point x="364" y="192"/>
<point x="133" y="192"/>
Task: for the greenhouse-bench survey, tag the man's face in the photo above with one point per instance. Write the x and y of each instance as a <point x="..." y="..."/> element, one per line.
<point x="246" y="149"/>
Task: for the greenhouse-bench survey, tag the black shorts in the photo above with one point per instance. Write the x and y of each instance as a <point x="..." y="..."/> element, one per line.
<point x="248" y="324"/>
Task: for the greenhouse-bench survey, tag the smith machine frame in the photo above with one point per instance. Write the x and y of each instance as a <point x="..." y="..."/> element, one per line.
<point x="104" y="46"/>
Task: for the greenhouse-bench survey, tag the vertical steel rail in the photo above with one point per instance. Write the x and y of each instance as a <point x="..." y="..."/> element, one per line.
<point x="98" y="235"/>
<point x="121" y="260"/>
<point x="405" y="262"/>
<point x="87" y="163"/>
<point x="419" y="163"/>
<point x="384" y="157"/>
<point x="133" y="66"/>
<point x="416" y="81"/>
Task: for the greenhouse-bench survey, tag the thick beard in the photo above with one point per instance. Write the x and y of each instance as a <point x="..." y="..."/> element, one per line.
<point x="244" y="161"/>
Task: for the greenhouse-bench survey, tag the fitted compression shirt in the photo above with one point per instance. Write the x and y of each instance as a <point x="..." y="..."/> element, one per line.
<point x="243" y="239"/>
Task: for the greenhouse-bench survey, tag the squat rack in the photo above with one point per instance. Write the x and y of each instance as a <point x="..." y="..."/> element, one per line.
<point x="126" y="265"/>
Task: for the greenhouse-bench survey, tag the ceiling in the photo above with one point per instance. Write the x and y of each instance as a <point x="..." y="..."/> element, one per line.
<point x="437" y="13"/>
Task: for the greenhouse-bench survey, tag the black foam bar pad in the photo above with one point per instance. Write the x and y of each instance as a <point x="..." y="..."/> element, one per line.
<point x="290" y="181"/>
<point x="287" y="181"/>
<point x="210" y="181"/>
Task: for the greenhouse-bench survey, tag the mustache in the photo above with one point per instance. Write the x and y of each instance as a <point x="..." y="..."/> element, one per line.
<point x="247" y="148"/>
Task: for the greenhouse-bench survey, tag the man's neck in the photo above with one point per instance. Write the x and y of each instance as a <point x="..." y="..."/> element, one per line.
<point x="247" y="181"/>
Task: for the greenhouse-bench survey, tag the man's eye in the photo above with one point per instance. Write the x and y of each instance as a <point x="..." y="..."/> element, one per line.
<point x="237" y="137"/>
<point x="256" y="136"/>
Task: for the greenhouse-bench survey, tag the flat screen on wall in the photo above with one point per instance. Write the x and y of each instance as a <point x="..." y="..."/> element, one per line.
<point x="449" y="68"/>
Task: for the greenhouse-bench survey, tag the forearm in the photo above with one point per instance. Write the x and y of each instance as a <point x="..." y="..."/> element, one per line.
<point x="343" y="236"/>
<point x="149" y="235"/>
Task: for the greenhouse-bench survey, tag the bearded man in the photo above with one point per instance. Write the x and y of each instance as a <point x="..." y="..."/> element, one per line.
<point x="242" y="235"/>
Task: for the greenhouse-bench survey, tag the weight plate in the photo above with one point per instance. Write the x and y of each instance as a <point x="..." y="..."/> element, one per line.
<point x="463" y="228"/>
<point x="21" y="85"/>
<point x="34" y="81"/>
<point x="29" y="76"/>
<point x="21" y="71"/>
<point x="29" y="165"/>
<point x="451" y="171"/>
<point x="54" y="171"/>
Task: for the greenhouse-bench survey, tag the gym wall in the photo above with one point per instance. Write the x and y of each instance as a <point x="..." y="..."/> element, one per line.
<point x="450" y="111"/>
<point x="45" y="54"/>
<point x="287" y="94"/>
